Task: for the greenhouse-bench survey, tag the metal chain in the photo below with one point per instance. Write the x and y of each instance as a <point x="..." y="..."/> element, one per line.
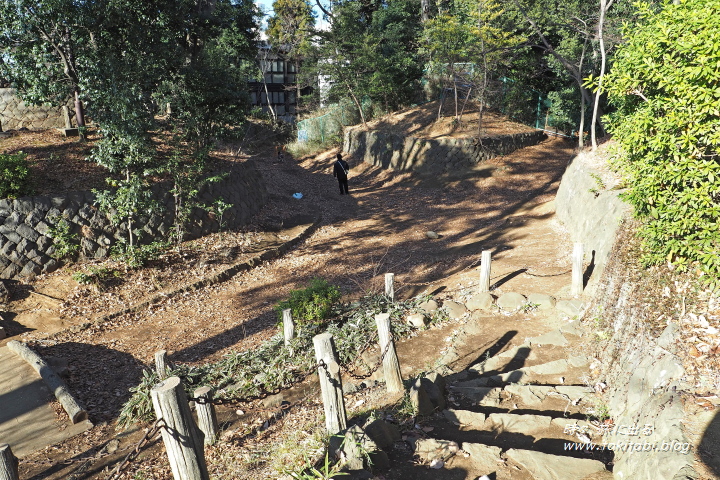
<point x="149" y="435"/>
<point x="358" y="376"/>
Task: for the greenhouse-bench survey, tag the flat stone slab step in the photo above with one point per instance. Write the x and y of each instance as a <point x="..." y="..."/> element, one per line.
<point x="528" y="424"/>
<point x="553" y="372"/>
<point x="568" y="399"/>
<point x="544" y="466"/>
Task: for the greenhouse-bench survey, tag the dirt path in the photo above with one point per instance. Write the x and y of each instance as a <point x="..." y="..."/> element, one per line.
<point x="506" y="206"/>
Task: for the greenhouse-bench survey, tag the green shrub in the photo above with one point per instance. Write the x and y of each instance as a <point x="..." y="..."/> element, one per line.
<point x="664" y="84"/>
<point x="13" y="175"/>
<point x="99" y="277"/>
<point x="66" y="242"/>
<point x="311" y="305"/>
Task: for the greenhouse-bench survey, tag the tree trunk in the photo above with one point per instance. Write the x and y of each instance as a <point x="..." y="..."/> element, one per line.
<point x="603" y="10"/>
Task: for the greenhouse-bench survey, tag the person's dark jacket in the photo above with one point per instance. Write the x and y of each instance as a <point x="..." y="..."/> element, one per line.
<point x="340" y="169"/>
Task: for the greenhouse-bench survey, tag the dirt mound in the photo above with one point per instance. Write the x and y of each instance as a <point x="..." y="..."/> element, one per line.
<point x="432" y="121"/>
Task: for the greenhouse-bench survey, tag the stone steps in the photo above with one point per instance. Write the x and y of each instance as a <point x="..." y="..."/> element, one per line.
<point x="522" y="415"/>
<point x="562" y="371"/>
<point x="565" y="399"/>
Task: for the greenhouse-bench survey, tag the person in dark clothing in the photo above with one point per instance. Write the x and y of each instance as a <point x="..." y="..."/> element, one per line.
<point x="340" y="170"/>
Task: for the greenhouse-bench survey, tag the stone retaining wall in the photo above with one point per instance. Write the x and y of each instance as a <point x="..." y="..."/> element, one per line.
<point x="642" y="374"/>
<point x="26" y="246"/>
<point x="388" y="150"/>
<point x="591" y="212"/>
<point x="14" y="114"/>
<point x="644" y="377"/>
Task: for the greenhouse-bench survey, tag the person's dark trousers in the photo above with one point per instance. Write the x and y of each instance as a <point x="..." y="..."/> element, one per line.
<point x="343" y="185"/>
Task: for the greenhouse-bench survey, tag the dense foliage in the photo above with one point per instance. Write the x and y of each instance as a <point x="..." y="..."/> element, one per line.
<point x="665" y="86"/>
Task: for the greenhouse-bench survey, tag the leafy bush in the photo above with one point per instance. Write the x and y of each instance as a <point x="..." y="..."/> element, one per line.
<point x="13" y="175"/>
<point x="667" y="125"/>
<point x="135" y="256"/>
<point x="99" y="277"/>
<point x="66" y="242"/>
<point x="310" y="305"/>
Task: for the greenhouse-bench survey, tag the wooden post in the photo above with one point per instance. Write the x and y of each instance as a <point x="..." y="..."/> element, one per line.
<point x="577" y="273"/>
<point x="330" y="383"/>
<point x="288" y="326"/>
<point x="8" y="463"/>
<point x="66" y="116"/>
<point x="485" y="262"/>
<point x="161" y="364"/>
<point x="207" y="419"/>
<point x="182" y="438"/>
<point x="56" y="385"/>
<point x="391" y="366"/>
<point x="390" y="286"/>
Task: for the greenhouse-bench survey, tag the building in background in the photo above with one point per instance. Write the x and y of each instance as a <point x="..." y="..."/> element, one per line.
<point x="277" y="89"/>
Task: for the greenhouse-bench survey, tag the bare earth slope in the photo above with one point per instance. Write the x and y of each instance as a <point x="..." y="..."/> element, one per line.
<point x="380" y="227"/>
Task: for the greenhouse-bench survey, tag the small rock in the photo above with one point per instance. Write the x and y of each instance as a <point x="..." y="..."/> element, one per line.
<point x="112" y="445"/>
<point x="483" y="457"/>
<point x="417" y="320"/>
<point x="432" y="235"/>
<point x="429" y="449"/>
<point x="511" y="301"/>
<point x="359" y="450"/>
<point x="434" y="393"/>
<point x="420" y="400"/>
<point x="541" y="300"/>
<point x="455" y="310"/>
<point x="437" y="463"/>
<point x="480" y="301"/>
<point x="429" y="307"/>
<point x="384" y="434"/>
<point x="4" y="293"/>
<point x="571" y="308"/>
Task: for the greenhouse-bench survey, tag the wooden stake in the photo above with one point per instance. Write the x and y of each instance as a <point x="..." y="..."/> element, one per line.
<point x="330" y="384"/>
<point x="390" y="286"/>
<point x="161" y="364"/>
<point x="485" y="262"/>
<point x="391" y="366"/>
<point x="577" y="273"/>
<point x="76" y="412"/>
<point x="207" y="419"/>
<point x="182" y="438"/>
<point x="8" y="463"/>
<point x="288" y="326"/>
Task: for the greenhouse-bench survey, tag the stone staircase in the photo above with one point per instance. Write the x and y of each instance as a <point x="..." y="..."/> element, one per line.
<point x="521" y="414"/>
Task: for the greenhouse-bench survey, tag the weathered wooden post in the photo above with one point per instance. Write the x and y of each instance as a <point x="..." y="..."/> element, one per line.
<point x="485" y="262"/>
<point x="391" y="366"/>
<point x="577" y="273"/>
<point x="207" y="419"/>
<point x="182" y="438"/>
<point x="330" y="383"/>
<point x="66" y="117"/>
<point x="161" y="364"/>
<point x="8" y="463"/>
<point x="288" y="326"/>
<point x="390" y="286"/>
